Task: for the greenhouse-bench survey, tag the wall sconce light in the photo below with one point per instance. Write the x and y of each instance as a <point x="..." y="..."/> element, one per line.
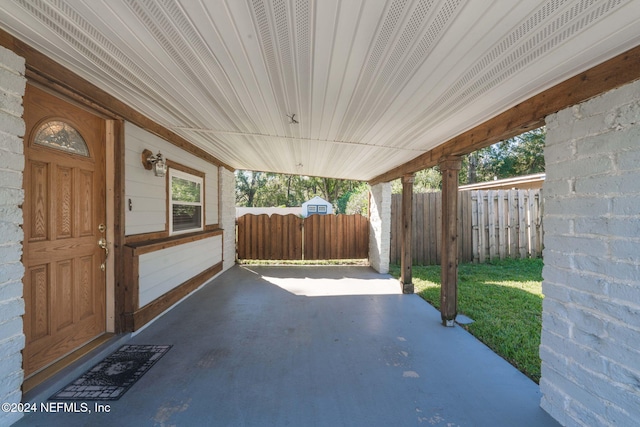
<point x="157" y="163"/>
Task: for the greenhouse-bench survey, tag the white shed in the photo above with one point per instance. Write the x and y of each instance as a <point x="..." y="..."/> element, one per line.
<point x="317" y="205"/>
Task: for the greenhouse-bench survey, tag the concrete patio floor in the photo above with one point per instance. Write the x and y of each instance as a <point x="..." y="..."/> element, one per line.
<point x="314" y="346"/>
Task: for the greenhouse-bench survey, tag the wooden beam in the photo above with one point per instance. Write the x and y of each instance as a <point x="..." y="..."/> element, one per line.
<point x="145" y="247"/>
<point x="529" y="114"/>
<point x="47" y="72"/>
<point x="120" y="291"/>
<point x="450" y="167"/>
<point x="129" y="289"/>
<point x="406" y="259"/>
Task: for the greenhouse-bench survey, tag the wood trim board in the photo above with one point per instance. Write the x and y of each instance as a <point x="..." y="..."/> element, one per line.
<point x="146" y="247"/>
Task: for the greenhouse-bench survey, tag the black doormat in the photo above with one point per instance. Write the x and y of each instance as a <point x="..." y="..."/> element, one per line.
<point x="111" y="378"/>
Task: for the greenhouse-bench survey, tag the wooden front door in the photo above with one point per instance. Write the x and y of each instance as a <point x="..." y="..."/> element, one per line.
<point x="64" y="184"/>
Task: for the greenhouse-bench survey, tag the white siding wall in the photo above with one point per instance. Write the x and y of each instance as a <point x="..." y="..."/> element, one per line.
<point x="12" y="85"/>
<point x="380" y="227"/>
<point x="161" y="271"/>
<point x="591" y="312"/>
<point x="148" y="193"/>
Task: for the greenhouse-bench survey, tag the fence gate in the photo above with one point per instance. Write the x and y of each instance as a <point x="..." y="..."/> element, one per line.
<point x="288" y="237"/>
<point x="336" y="237"/>
<point x="270" y="237"/>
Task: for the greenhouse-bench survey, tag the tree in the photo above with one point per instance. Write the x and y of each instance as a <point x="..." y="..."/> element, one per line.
<point x="247" y="185"/>
<point x="271" y="189"/>
<point x="355" y="201"/>
<point x="425" y="180"/>
<point x="332" y="189"/>
<point x="358" y="202"/>
<point x="520" y="155"/>
<point x="529" y="152"/>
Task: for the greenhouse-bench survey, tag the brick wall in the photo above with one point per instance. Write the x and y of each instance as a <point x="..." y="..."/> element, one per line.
<point x="228" y="216"/>
<point x="12" y="86"/>
<point x="380" y="227"/>
<point x="591" y="318"/>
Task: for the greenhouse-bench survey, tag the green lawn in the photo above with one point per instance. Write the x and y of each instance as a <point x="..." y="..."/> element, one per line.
<point x="503" y="298"/>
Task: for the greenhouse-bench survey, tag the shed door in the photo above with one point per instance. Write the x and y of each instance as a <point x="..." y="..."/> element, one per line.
<point x="64" y="285"/>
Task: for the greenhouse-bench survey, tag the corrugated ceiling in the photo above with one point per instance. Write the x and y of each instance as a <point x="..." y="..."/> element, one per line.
<point x="372" y="83"/>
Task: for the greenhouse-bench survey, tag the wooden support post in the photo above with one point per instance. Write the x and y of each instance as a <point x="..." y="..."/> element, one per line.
<point x="406" y="257"/>
<point x="449" y="167"/>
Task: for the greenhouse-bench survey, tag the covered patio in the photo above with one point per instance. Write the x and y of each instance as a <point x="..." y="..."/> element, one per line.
<point x="315" y="346"/>
<point x="111" y="108"/>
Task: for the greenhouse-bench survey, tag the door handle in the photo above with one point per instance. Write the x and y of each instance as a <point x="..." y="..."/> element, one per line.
<point x="103" y="244"/>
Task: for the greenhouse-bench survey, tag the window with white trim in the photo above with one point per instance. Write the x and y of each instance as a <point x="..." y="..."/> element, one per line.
<point x="185" y="202"/>
<point x="319" y="209"/>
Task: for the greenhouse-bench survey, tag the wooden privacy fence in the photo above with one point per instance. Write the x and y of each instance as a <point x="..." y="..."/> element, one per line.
<point x="269" y="237"/>
<point x="491" y="224"/>
<point x="288" y="237"/>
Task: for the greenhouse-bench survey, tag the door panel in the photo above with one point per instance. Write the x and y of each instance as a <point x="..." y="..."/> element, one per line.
<point x="38" y="296"/>
<point x="39" y="199"/>
<point x="64" y="214"/>
<point x="86" y="224"/>
<point x="85" y="294"/>
<point x="64" y="204"/>
<point x="63" y="301"/>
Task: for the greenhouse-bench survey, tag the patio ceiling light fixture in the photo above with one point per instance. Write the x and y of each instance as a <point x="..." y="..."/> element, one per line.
<point x="157" y="163"/>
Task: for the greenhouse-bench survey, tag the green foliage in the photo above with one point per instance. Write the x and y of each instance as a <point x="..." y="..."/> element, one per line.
<point x="343" y="201"/>
<point x="358" y="201"/>
<point x="425" y="180"/>
<point x="520" y="155"/>
<point x="184" y="190"/>
<point x="255" y="189"/>
<point x="504" y="298"/>
<point x="332" y="189"/>
<point x="247" y="185"/>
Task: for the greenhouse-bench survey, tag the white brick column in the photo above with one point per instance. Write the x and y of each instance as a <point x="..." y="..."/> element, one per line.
<point x="591" y="312"/>
<point x="228" y="216"/>
<point x="380" y="227"/>
<point x="12" y="86"/>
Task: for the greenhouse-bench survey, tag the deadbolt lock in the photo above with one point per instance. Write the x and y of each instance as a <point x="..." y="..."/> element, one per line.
<point x="102" y="228"/>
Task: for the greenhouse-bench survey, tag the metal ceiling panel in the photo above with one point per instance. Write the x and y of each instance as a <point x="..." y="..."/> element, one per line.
<point x="372" y="83"/>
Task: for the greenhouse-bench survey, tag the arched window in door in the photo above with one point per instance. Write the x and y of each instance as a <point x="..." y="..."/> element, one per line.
<point x="62" y="136"/>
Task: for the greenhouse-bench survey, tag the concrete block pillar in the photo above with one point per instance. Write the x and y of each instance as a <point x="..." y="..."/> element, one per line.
<point x="12" y="128"/>
<point x="591" y="287"/>
<point x="228" y="217"/>
<point x="380" y="226"/>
